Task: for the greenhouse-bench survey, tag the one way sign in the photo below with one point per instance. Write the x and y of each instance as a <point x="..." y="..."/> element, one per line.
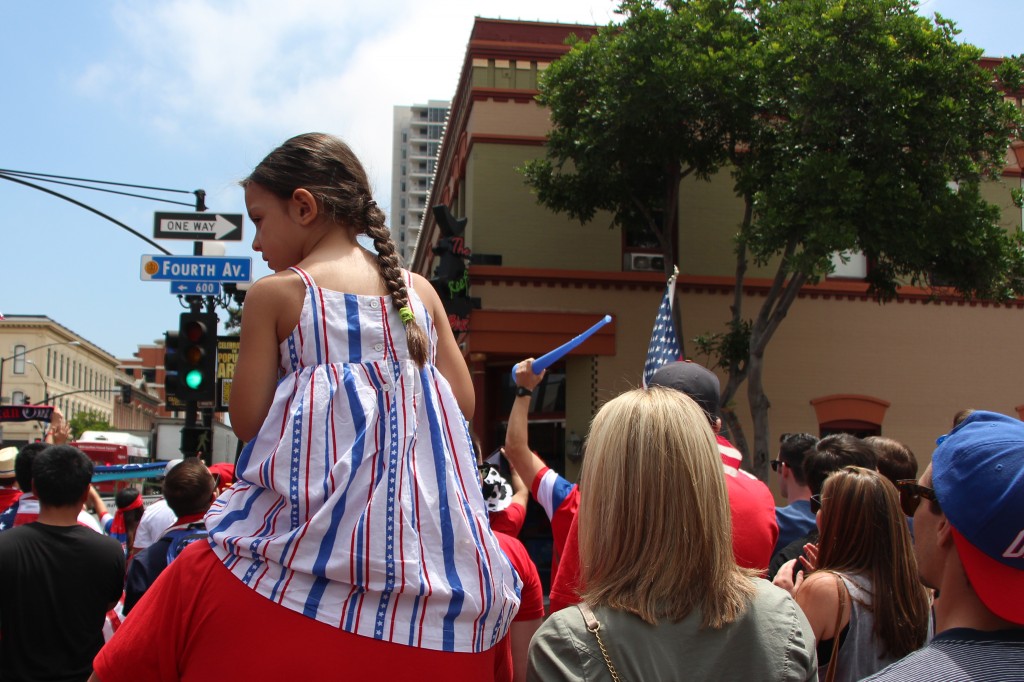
<point x="226" y="227"/>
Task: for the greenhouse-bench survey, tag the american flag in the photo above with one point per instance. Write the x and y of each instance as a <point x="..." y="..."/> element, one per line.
<point x="664" y="346"/>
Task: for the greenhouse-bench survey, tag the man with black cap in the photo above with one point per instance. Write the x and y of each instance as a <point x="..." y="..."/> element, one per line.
<point x="968" y="511"/>
<point x="754" y="526"/>
<point x="751" y="503"/>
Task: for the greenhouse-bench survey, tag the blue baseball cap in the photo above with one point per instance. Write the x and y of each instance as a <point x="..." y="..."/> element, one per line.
<point x="978" y="477"/>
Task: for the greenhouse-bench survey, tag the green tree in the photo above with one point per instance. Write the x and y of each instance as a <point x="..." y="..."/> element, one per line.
<point x="87" y="420"/>
<point x="638" y="108"/>
<point x="848" y="125"/>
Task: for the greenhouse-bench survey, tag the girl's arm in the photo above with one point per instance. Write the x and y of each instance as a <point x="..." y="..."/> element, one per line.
<point x="256" y="372"/>
<point x="449" y="360"/>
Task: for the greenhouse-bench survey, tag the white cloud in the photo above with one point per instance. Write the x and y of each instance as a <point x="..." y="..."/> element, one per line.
<point x="264" y="69"/>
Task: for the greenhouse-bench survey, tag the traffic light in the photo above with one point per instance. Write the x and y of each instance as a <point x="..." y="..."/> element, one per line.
<point x="197" y="356"/>
<point x="126" y="394"/>
<point x="171" y="367"/>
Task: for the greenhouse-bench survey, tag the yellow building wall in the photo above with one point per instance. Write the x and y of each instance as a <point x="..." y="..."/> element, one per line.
<point x="927" y="360"/>
<point x="505" y="218"/>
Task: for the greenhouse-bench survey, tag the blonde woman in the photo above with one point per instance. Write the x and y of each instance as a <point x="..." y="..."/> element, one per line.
<point x="663" y="588"/>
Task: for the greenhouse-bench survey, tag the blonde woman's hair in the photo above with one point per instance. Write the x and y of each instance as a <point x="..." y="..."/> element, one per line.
<point x="655" y="531"/>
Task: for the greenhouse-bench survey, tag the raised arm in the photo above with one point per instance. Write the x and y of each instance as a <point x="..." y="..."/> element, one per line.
<point x="517" y="447"/>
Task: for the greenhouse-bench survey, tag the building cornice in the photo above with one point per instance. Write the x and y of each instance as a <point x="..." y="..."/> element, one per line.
<point x="594" y="279"/>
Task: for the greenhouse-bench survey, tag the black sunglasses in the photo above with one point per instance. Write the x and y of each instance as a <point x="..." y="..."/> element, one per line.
<point x="776" y="465"/>
<point x="911" y="493"/>
<point x="815" y="503"/>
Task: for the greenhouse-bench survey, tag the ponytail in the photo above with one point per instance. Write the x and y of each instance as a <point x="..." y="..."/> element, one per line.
<point x="387" y="262"/>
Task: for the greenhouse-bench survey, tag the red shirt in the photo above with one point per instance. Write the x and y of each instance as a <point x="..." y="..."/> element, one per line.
<point x="531" y="607"/>
<point x="197" y="610"/>
<point x="8" y="496"/>
<point x="509" y="520"/>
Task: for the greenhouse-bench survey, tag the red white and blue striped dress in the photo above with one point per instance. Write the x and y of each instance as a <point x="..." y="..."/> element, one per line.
<point x="357" y="504"/>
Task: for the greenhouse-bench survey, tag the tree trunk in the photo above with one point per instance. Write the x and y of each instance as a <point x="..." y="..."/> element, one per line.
<point x="733" y="431"/>
<point x="759" y="405"/>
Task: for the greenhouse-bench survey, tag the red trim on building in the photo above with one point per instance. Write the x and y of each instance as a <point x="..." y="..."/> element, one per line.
<point x="847" y="408"/>
<point x="524" y="334"/>
<point x="596" y="279"/>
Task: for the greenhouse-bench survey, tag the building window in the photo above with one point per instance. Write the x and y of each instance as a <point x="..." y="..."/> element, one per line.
<point x="859" y="415"/>
<point x="849" y="265"/>
<point x="18" y="398"/>
<point x="19" y="359"/>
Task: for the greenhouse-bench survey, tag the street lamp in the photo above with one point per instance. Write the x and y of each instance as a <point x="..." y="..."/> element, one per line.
<point x="26" y="352"/>
<point x="46" y="387"/>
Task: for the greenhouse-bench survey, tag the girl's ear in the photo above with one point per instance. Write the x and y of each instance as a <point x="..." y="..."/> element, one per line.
<point x="303" y="207"/>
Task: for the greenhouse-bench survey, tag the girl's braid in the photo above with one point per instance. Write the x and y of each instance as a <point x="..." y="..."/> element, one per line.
<point x="391" y="273"/>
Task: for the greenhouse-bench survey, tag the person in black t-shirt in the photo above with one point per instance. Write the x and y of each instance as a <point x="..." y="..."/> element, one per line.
<point x="59" y="578"/>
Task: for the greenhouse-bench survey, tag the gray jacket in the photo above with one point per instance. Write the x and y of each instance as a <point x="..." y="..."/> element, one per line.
<point x="772" y="640"/>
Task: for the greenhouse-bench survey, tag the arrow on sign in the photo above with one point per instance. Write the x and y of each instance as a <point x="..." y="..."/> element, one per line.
<point x="198" y="226"/>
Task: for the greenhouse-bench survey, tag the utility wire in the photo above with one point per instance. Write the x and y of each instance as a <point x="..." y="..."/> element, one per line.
<point x="108" y="191"/>
<point x="5" y="176"/>
<point x="40" y="176"/>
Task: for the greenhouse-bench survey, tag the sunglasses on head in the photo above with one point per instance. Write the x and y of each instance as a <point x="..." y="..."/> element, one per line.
<point x="911" y="493"/>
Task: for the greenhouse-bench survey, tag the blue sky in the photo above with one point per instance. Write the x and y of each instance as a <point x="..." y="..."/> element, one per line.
<point x="190" y="94"/>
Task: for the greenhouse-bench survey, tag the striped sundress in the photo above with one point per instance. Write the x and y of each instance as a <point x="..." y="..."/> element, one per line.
<point x="358" y="504"/>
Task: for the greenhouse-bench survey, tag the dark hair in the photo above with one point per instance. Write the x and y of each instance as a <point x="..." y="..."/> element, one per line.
<point x="61" y="475"/>
<point x="792" y="449"/>
<point x="832" y="453"/>
<point x="188" y="486"/>
<point x="863" y="530"/>
<point x="23" y="464"/>
<point x="125" y="497"/>
<point x="895" y="460"/>
<point x="328" y="169"/>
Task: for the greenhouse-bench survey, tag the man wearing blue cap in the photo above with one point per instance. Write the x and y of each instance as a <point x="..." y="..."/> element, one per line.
<point x="968" y="510"/>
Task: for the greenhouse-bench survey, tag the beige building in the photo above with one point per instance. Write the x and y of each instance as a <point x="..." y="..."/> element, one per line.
<point x="840" y="361"/>
<point x="45" y="363"/>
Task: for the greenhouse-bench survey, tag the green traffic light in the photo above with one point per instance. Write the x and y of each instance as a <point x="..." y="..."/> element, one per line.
<point x="194" y="379"/>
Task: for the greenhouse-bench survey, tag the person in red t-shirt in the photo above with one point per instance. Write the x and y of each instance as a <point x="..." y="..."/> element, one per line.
<point x="559" y="497"/>
<point x="752" y="507"/>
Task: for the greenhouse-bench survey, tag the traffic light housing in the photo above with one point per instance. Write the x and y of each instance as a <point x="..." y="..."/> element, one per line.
<point x="126" y="394"/>
<point x="171" y="380"/>
<point x="196" y="357"/>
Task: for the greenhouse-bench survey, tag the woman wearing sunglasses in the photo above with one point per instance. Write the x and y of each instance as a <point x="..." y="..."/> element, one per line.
<point x="864" y="552"/>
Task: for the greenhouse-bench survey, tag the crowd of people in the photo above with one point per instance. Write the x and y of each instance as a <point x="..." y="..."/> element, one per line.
<point x="363" y="535"/>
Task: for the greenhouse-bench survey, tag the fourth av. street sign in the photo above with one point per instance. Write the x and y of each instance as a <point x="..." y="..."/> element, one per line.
<point x="225" y="227"/>
<point x="196" y="268"/>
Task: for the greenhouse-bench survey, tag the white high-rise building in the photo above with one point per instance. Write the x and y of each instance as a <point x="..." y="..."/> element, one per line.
<point x="417" y="137"/>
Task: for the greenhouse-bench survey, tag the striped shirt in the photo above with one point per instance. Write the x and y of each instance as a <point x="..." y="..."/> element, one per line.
<point x="963" y="654"/>
<point x="357" y="503"/>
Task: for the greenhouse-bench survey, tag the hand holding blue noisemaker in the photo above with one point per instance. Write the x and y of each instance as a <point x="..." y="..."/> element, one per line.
<point x="550" y="358"/>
